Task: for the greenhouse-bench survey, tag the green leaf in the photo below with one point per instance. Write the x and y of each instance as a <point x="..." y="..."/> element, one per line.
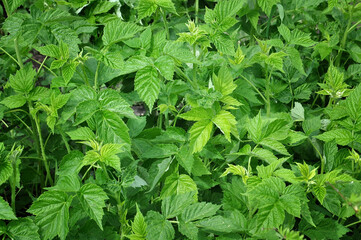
<point x="71" y="163"/>
<point x="178" y="51"/>
<point x="82" y="133"/>
<point x="353" y="104"/>
<point x="92" y="198"/>
<point x="67" y="183"/>
<point x="341" y="136"/>
<point x="139" y="227"/>
<point x="158" y="227"/>
<point x="68" y="71"/>
<point x="111" y="100"/>
<point x="217" y="224"/>
<point x="117" y="30"/>
<point x="13" y="5"/>
<point x="298" y="112"/>
<point x="23" y="80"/>
<point x="86" y="110"/>
<point x="147" y="85"/>
<point x="6" y="213"/>
<point x="320" y="192"/>
<point x="175" y="184"/>
<point x="291" y="204"/>
<point x="270" y="216"/>
<point x="111" y="128"/>
<point x="301" y="38"/>
<point x="226" y="122"/>
<point x="52" y="214"/>
<point x="285" y="32"/>
<point x="200" y="133"/>
<point x="266" y="5"/>
<point x="295" y="58"/>
<point x="50" y="50"/>
<point x="114" y="60"/>
<point x="146" y="8"/>
<point x="23" y="229"/>
<point x="162" y="167"/>
<point x="224" y="82"/>
<point x="197" y="114"/>
<point x="173" y="205"/>
<point x="267" y="192"/>
<point x="264" y="155"/>
<point x="275" y="60"/>
<point x="165" y="65"/>
<point x="103" y="7"/>
<point x="6" y="170"/>
<point x="274" y="145"/>
<point x="108" y="155"/>
<point x="224" y="44"/>
<point x="199" y="211"/>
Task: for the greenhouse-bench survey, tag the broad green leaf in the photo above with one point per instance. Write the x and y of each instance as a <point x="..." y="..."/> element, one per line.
<point x="160" y="151"/>
<point x="6" y="170"/>
<point x="341" y="136"/>
<point x="111" y="128"/>
<point x="199" y="211"/>
<point x="224" y="82"/>
<point x="224" y="44"/>
<point x="50" y="50"/>
<point x="267" y="192"/>
<point x="6" y="213"/>
<point x="117" y="30"/>
<point x="285" y="32"/>
<point x="353" y="104"/>
<point x="23" y="229"/>
<point x="108" y="155"/>
<point x="320" y="192"/>
<point x="226" y="122"/>
<point x="197" y="114"/>
<point x="200" y="133"/>
<point x="178" y="51"/>
<point x="86" y="110"/>
<point x="295" y="58"/>
<point x="301" y="38"/>
<point x="13" y="5"/>
<point x="173" y="205"/>
<point x="291" y="204"/>
<point x="52" y="214"/>
<point x="218" y="224"/>
<point x="270" y="216"/>
<point x="92" y="198"/>
<point x="147" y="85"/>
<point x="161" y="168"/>
<point x="103" y="7"/>
<point x="71" y="163"/>
<point x="111" y="100"/>
<point x="266" y="5"/>
<point x="175" y="184"/>
<point x="14" y="101"/>
<point x="189" y="229"/>
<point x="68" y="71"/>
<point x="298" y="112"/>
<point x="114" y="60"/>
<point x="274" y="145"/>
<point x="147" y="7"/>
<point x="158" y="227"/>
<point x="82" y="133"/>
<point x="275" y="60"/>
<point x="264" y="155"/>
<point x="165" y="65"/>
<point x="67" y="183"/>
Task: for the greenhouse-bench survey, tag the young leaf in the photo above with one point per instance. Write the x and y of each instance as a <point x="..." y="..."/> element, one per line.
<point x="197" y="114"/>
<point x="226" y="122"/>
<point x="224" y="82"/>
<point x="92" y="198"/>
<point x="82" y="133"/>
<point x="14" y="101"/>
<point x="139" y="227"/>
<point x="52" y="214"/>
<point x="147" y="85"/>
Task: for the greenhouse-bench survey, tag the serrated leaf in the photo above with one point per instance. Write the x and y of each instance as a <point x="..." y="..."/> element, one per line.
<point x="295" y="58"/>
<point x="199" y="211"/>
<point x="147" y="85"/>
<point x="103" y="7"/>
<point x="92" y="198"/>
<point x="158" y="227"/>
<point x="139" y="227"/>
<point x="218" y="224"/>
<point x="111" y="128"/>
<point x="226" y="122"/>
<point x="285" y="32"/>
<point x="23" y="229"/>
<point x="266" y="5"/>
<point x="162" y="167"/>
<point x="6" y="213"/>
<point x="298" y="112"/>
<point x="117" y="30"/>
<point x="108" y="155"/>
<point x="291" y="204"/>
<point x="224" y="44"/>
<point x="111" y="100"/>
<point x="341" y="136"/>
<point x="173" y="205"/>
<point x="200" y="133"/>
<point x="114" y="60"/>
<point x="353" y="103"/>
<point x="197" y="114"/>
<point x="6" y="170"/>
<point x="264" y="155"/>
<point x="301" y="38"/>
<point x="165" y="65"/>
<point x="270" y="216"/>
<point x="82" y="133"/>
<point x="52" y="214"/>
<point x="224" y="82"/>
<point x="23" y="80"/>
<point x="274" y="145"/>
<point x="50" y="50"/>
<point x="175" y="184"/>
<point x="178" y="51"/>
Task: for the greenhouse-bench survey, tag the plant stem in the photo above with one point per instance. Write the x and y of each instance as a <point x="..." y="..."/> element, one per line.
<point x="46" y="67"/>
<point x="43" y="155"/>
<point x="7" y="9"/>
<point x="64" y="140"/>
<point x="255" y="88"/>
<point x="10" y="56"/>
<point x="96" y="77"/>
<point x="196" y="11"/>
<point x="268" y="102"/>
<point x="320" y="155"/>
<point x="182" y="74"/>
<point x="18" y="56"/>
<point x="344" y="38"/>
<point x="351" y="224"/>
<point x="164" y="18"/>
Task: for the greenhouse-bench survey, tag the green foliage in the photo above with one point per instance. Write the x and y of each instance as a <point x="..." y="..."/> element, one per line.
<point x="173" y="119"/>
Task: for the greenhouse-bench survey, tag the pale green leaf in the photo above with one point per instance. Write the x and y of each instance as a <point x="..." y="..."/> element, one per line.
<point x="266" y="5"/>
<point x="173" y="205"/>
<point x="178" y="51"/>
<point x="139" y="227"/>
<point x="108" y="155"/>
<point x="285" y="32"/>
<point x="200" y="133"/>
<point x="6" y="170"/>
<point x="341" y="136"/>
<point x="165" y="65"/>
<point x="295" y="58"/>
<point x="224" y="82"/>
<point x="50" y="50"/>
<point x="198" y="114"/>
<point x="298" y="112"/>
<point x="291" y="204"/>
<point x="175" y="184"/>
<point x="224" y="44"/>
<point x="264" y="155"/>
<point x="274" y="145"/>
<point x="92" y="198"/>
<point x="226" y="122"/>
<point x="82" y="133"/>
<point x="301" y="38"/>
<point x="114" y="59"/>
<point x="23" y="80"/>
<point x="147" y="85"/>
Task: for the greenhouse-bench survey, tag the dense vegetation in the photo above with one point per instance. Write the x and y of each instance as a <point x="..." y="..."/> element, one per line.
<point x="175" y="119"/>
